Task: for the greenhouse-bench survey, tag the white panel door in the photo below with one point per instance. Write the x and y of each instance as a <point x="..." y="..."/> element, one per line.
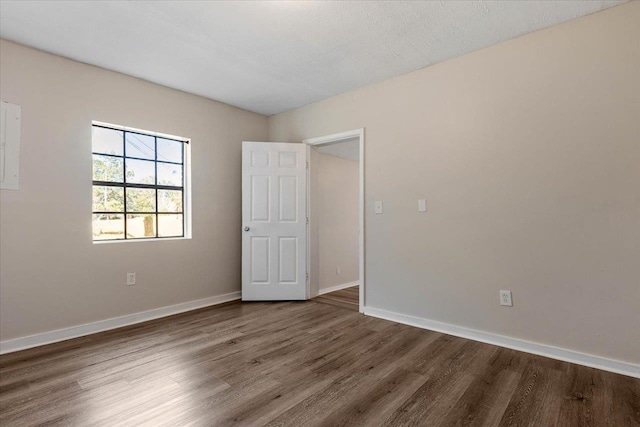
<point x="274" y="221"/>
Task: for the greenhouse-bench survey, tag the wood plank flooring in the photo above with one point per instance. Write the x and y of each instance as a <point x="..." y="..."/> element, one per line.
<point x="300" y="364"/>
<point x="348" y="298"/>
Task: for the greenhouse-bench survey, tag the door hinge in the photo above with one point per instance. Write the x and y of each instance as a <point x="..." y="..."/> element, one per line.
<point x="307" y="220"/>
<point x="307" y="164"/>
<point x="307" y="277"/>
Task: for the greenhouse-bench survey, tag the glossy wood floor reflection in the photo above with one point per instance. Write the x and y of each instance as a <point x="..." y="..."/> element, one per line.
<point x="346" y="298"/>
<point x="300" y="364"/>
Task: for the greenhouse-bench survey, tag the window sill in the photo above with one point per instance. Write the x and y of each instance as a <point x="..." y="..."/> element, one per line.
<point x="153" y="239"/>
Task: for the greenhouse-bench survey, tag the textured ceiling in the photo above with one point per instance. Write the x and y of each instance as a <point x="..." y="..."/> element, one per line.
<point x="270" y="57"/>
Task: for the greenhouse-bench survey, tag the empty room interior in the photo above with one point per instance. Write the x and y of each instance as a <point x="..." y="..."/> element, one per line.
<point x="305" y="213"/>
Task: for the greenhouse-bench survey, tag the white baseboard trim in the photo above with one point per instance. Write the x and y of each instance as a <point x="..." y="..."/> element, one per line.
<point x="338" y="287"/>
<point x="23" y="343"/>
<point x="565" y="355"/>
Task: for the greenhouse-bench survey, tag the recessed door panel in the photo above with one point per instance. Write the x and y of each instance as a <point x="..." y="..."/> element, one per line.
<point x="288" y="260"/>
<point x="260" y="206"/>
<point x="288" y="198"/>
<point x="260" y="260"/>
<point x="288" y="159"/>
<point x="260" y="159"/>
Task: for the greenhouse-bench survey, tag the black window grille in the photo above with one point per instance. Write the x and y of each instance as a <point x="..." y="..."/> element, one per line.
<point x="138" y="185"/>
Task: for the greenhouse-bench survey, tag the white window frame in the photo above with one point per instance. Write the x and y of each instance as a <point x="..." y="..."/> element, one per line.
<point x="186" y="184"/>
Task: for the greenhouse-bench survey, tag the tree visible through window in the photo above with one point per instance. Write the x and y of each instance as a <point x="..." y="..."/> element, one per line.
<point x="138" y="185"/>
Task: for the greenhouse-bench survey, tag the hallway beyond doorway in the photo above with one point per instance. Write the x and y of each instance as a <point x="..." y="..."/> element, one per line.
<point x="346" y="298"/>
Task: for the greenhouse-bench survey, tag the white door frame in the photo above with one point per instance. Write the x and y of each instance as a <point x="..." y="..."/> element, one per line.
<point x="328" y="139"/>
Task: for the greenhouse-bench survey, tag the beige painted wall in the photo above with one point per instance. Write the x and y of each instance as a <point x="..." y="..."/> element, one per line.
<point x="528" y="153"/>
<point x="334" y="242"/>
<point x="54" y="277"/>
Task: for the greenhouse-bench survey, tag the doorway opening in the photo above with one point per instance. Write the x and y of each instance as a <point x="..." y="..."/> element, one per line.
<point x="335" y="206"/>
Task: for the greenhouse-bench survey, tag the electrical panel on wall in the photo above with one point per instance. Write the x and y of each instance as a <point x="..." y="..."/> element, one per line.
<point x="10" y="115"/>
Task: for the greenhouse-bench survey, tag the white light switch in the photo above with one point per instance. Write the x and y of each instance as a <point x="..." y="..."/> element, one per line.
<point x="422" y="205"/>
<point x="378" y="207"/>
<point x="10" y="115"/>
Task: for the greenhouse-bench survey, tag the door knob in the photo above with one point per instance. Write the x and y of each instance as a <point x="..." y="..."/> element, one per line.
<point x="247" y="229"/>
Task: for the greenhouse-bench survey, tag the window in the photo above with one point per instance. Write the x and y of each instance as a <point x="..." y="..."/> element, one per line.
<point x="138" y="184"/>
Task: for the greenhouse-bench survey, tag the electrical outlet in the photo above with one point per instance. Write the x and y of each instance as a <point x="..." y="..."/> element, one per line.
<point x="505" y="298"/>
<point x="338" y="271"/>
<point x="131" y="279"/>
<point x="378" y="207"/>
